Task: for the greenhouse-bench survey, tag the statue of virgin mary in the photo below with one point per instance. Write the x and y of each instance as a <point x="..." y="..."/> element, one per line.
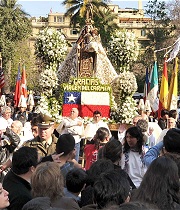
<point x="87" y="58"/>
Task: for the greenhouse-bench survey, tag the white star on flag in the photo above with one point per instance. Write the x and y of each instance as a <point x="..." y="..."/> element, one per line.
<point x="71" y="98"/>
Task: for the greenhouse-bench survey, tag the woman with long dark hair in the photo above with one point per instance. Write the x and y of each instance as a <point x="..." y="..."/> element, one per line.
<point x="133" y="153"/>
<point x="160" y="185"/>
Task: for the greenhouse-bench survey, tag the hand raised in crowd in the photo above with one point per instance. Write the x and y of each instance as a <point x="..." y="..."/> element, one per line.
<point x="56" y="157"/>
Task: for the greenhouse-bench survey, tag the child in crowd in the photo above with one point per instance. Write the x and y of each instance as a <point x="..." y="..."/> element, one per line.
<point x="75" y="183"/>
<point x="91" y="149"/>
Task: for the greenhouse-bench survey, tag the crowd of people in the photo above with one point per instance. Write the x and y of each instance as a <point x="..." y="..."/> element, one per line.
<point x="41" y="168"/>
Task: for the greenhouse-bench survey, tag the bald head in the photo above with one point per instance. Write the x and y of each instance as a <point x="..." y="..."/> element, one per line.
<point x="74" y="113"/>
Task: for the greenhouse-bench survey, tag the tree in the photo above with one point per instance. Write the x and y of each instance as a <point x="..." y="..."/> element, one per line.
<point x="105" y="24"/>
<point x="24" y="55"/>
<point x="14" y="27"/>
<point x="174" y="14"/>
<point x="159" y="29"/>
<point x="77" y="9"/>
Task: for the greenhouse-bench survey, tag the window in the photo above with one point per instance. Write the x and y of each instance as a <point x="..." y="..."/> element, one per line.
<point x="73" y="32"/>
<point x="143" y="32"/>
<point x="60" y="19"/>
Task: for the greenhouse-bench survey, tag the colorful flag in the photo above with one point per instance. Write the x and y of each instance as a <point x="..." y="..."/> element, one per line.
<point x="153" y="91"/>
<point x="18" y="88"/>
<point x="24" y="83"/>
<point x="2" y="81"/>
<point x="163" y="98"/>
<point x="146" y="85"/>
<point x="87" y="103"/>
<point x="172" y="97"/>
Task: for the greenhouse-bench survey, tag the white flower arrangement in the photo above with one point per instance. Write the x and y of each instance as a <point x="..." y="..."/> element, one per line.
<point x="124" y="85"/>
<point x="51" y="48"/>
<point x="126" y="112"/>
<point x="49" y="107"/>
<point x="123" y="49"/>
<point x="48" y="81"/>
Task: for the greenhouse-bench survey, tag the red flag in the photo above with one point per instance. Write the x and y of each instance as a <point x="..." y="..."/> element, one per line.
<point x="18" y="88"/>
<point x="24" y="83"/>
<point x="2" y="81"/>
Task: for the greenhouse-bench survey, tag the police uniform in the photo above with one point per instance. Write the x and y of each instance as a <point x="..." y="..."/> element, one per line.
<point x="43" y="148"/>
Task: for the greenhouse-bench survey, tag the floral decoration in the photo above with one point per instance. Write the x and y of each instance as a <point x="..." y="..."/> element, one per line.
<point x="124" y="85"/>
<point x="123" y="49"/>
<point x="51" y="48"/>
<point x="125" y="112"/>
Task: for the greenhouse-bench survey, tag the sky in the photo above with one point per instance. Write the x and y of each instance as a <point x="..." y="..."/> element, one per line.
<point x="42" y="7"/>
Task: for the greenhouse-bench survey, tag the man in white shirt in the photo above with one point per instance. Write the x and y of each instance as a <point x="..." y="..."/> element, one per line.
<point x="91" y="128"/>
<point x="74" y="126"/>
<point x="171" y="123"/>
<point x="6" y="116"/>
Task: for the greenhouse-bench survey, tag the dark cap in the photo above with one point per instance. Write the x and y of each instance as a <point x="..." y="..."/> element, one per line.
<point x="45" y="121"/>
<point x="65" y="143"/>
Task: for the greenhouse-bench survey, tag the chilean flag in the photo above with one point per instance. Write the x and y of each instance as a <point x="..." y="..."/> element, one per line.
<point x="24" y="83"/>
<point x="87" y="103"/>
<point x="17" y="94"/>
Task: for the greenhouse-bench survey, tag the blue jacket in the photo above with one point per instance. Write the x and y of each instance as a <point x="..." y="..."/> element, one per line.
<point x="153" y="153"/>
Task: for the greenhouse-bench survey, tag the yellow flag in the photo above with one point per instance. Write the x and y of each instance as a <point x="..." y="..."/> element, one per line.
<point x="163" y="98"/>
<point x="173" y="90"/>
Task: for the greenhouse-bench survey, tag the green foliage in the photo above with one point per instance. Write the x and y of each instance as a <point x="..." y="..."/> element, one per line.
<point x="14" y="27"/>
<point x="105" y="24"/>
<point x="159" y="30"/>
<point x="23" y="55"/>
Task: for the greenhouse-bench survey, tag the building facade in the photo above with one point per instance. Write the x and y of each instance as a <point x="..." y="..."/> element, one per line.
<point x="129" y="18"/>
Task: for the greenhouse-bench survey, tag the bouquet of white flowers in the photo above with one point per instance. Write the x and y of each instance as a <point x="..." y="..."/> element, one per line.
<point x="51" y="48"/>
<point x="123" y="49"/>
